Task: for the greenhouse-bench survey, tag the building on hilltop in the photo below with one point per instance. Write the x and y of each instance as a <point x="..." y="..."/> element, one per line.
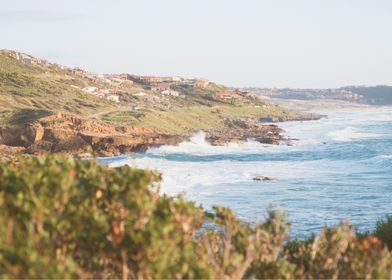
<point x="171" y="92"/>
<point x="79" y="71"/>
<point x="91" y="90"/>
<point x="113" y="97"/>
<point x="201" y="83"/>
<point x="159" y="87"/>
<point x="150" y="79"/>
<point x="223" y="96"/>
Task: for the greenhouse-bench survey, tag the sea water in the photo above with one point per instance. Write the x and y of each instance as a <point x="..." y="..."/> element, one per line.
<point x="339" y="168"/>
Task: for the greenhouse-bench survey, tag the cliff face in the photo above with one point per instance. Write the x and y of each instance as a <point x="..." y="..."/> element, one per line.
<point x="64" y="133"/>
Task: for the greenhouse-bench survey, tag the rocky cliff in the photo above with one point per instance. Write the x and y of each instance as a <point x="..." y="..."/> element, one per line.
<point x="65" y="133"/>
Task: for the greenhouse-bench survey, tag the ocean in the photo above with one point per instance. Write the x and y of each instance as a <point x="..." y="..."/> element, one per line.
<point x="339" y="168"/>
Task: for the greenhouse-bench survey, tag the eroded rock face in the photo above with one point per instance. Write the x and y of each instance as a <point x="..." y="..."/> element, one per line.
<point x="65" y="133"/>
<point x="20" y="136"/>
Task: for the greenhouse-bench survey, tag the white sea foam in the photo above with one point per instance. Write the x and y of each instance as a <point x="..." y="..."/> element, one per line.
<point x="187" y="176"/>
<point x="314" y="183"/>
<point x="197" y="145"/>
<point x="350" y="134"/>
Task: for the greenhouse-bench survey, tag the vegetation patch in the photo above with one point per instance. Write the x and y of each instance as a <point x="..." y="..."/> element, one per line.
<point x="67" y="218"/>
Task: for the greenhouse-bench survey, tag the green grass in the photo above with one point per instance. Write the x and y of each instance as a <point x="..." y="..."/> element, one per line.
<point x="29" y="92"/>
<point x="25" y="89"/>
<point x="187" y="119"/>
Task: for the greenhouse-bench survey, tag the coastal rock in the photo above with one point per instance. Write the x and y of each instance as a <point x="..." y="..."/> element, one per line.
<point x="64" y="133"/>
<point x="262" y="178"/>
<point x="242" y="129"/>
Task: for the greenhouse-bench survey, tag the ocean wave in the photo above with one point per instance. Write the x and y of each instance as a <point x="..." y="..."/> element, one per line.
<point x="386" y="156"/>
<point x="198" y="145"/>
<point x="350" y="134"/>
<point x="314" y="183"/>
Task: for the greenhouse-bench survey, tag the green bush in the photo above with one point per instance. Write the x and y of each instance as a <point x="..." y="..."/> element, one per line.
<point x="384" y="231"/>
<point x="67" y="218"/>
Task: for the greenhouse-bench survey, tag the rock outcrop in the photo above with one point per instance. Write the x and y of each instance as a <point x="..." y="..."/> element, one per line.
<point x="242" y="129"/>
<point x="64" y="133"/>
<point x="262" y="178"/>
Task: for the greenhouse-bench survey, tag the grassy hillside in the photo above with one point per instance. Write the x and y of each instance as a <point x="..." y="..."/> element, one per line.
<point x="37" y="91"/>
<point x="186" y="119"/>
<point x="28" y="92"/>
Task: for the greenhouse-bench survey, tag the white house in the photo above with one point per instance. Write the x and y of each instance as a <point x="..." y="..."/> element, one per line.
<point x="170" y="92"/>
<point x="114" y="98"/>
<point x="91" y="90"/>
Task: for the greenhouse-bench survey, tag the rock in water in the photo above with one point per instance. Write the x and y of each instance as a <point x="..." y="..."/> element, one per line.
<point x="262" y="178"/>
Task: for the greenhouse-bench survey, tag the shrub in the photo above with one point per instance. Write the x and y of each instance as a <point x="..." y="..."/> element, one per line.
<point x="67" y="218"/>
<point x="384" y="231"/>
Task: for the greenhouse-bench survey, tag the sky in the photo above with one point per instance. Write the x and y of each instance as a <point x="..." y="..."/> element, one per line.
<point x="264" y="43"/>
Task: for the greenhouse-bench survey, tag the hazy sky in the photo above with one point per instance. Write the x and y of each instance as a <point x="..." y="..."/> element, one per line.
<point x="274" y="43"/>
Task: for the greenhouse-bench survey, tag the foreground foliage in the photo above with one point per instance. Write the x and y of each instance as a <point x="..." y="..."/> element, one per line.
<point x="66" y="218"/>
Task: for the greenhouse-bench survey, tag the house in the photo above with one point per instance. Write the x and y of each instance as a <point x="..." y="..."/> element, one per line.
<point x="27" y="61"/>
<point x="91" y="90"/>
<point x="14" y="54"/>
<point x="171" y="79"/>
<point x="201" y="83"/>
<point x="121" y="77"/>
<point x="188" y="82"/>
<point x="113" y="97"/>
<point x="150" y="79"/>
<point x="159" y="87"/>
<point x="79" y="71"/>
<point x="176" y="79"/>
<point x="170" y="92"/>
<point x="41" y="62"/>
<point x="224" y="95"/>
<point x="104" y="91"/>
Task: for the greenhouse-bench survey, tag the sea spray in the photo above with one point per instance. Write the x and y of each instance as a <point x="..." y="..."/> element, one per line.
<point x="339" y="168"/>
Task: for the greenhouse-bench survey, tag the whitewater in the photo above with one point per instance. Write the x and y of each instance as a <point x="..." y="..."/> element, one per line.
<point x="339" y="168"/>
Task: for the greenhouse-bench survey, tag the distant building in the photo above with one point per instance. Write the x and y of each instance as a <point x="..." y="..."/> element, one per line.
<point x="150" y="79"/>
<point x="159" y="87"/>
<point x="140" y="94"/>
<point x="113" y="97"/>
<point x="79" y="71"/>
<point x="91" y="90"/>
<point x="104" y="91"/>
<point x="224" y="95"/>
<point x="27" y="61"/>
<point x="171" y="92"/>
<point x="122" y="76"/>
<point x="201" y="83"/>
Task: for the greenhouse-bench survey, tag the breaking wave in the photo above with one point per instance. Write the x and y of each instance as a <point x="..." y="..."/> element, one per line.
<point x="339" y="168"/>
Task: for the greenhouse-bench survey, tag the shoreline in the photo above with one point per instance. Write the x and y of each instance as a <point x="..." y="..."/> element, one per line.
<point x="67" y="134"/>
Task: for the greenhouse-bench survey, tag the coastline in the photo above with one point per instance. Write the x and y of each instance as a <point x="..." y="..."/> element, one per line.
<point x="67" y="134"/>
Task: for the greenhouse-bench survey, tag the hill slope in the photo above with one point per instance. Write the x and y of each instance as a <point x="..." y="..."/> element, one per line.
<point x="28" y="92"/>
<point x="32" y="91"/>
<point x="46" y="107"/>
